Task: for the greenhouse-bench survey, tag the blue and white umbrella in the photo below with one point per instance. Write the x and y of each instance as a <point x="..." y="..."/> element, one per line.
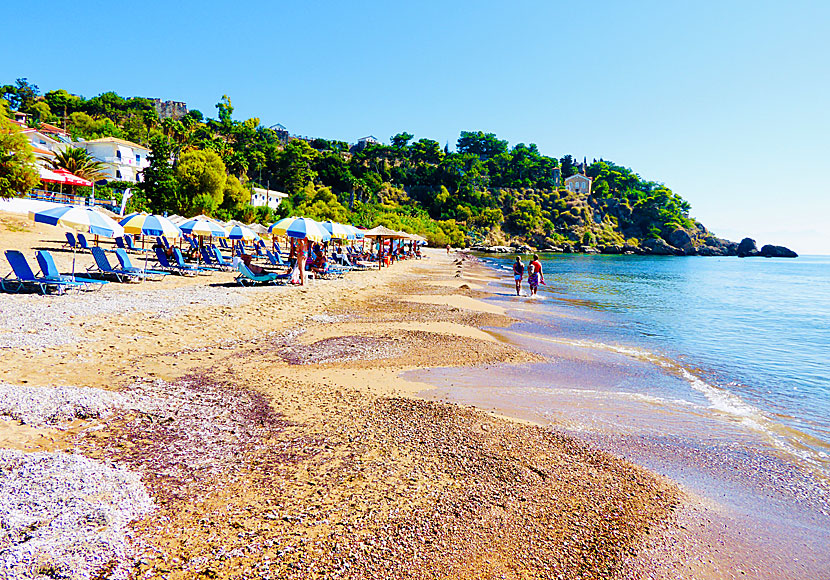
<point x="241" y="232"/>
<point x="203" y="226"/>
<point x="150" y="225"/>
<point x="302" y="227"/>
<point x="80" y="219"/>
<point x="338" y="231"/>
<point x="358" y="234"/>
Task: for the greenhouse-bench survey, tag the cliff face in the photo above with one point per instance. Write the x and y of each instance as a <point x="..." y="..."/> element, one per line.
<point x="572" y="222"/>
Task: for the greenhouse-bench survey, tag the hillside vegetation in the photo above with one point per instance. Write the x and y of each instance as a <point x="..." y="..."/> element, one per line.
<point x="486" y="192"/>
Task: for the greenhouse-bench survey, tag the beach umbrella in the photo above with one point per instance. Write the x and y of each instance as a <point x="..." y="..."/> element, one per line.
<point x="203" y="226"/>
<point x="241" y="232"/>
<point x="382" y="232"/>
<point x="259" y="229"/>
<point x="145" y="224"/>
<point x="338" y="231"/>
<point x="358" y="233"/>
<point x="80" y="219"/>
<point x="305" y="228"/>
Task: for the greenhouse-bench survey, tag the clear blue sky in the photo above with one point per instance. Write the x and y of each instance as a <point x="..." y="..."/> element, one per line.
<point x="725" y="102"/>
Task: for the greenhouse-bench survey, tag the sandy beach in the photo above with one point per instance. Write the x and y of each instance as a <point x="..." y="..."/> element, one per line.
<point x="193" y="428"/>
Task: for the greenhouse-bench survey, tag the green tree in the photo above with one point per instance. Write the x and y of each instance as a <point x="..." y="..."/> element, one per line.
<point x="17" y="162"/>
<point x="400" y="140"/>
<point x="294" y="166"/>
<point x="525" y="217"/>
<point x="160" y="182"/>
<point x="485" y="145"/>
<point x="202" y="178"/>
<point x="322" y="205"/>
<point x="235" y="194"/>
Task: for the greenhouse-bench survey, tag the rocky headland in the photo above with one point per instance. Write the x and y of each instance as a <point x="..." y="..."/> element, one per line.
<point x="679" y="243"/>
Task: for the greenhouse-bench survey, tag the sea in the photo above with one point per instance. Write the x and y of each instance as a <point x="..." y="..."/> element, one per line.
<point x="712" y="371"/>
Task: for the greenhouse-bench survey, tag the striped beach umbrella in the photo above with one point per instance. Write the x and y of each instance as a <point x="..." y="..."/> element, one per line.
<point x="203" y="226"/>
<point x="146" y="224"/>
<point x="338" y="231"/>
<point x="301" y="227"/>
<point x="358" y="234"/>
<point x="241" y="232"/>
<point x="80" y="219"/>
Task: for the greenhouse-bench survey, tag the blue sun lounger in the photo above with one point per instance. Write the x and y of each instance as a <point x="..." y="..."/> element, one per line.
<point x="127" y="266"/>
<point x="221" y="259"/>
<point x="50" y="272"/>
<point x="179" y="258"/>
<point x="71" y="242"/>
<point x="210" y="260"/>
<point x="248" y="278"/>
<point x="165" y="264"/>
<point x="25" y="277"/>
<point x="104" y="268"/>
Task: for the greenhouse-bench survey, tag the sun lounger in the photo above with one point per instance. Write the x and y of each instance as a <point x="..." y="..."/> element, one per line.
<point x="221" y="259"/>
<point x="71" y="241"/>
<point x="275" y="258"/>
<point x="179" y="258"/>
<point x="165" y="265"/>
<point x="51" y="272"/>
<point x="127" y="266"/>
<point x="246" y="277"/>
<point x="25" y="277"/>
<point x="104" y="268"/>
<point x="82" y="243"/>
<point x="130" y="243"/>
<point x="210" y="260"/>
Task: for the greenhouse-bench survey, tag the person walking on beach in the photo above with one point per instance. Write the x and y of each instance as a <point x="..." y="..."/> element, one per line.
<point x="534" y="275"/>
<point x="518" y="274"/>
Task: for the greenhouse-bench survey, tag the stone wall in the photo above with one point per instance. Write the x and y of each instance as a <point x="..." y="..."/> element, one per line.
<point x="166" y="109"/>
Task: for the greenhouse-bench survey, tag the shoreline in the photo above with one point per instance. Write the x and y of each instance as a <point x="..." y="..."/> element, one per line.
<point x="750" y="511"/>
<point x="275" y="437"/>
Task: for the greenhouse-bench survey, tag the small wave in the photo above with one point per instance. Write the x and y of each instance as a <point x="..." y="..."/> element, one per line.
<point x="724" y="402"/>
<point x="721" y="401"/>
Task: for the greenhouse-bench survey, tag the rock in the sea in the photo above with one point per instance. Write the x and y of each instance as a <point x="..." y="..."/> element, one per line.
<point x="589" y="250"/>
<point x="659" y="247"/>
<point x="553" y="250"/>
<point x="770" y="251"/>
<point x="747" y="248"/>
<point x="681" y="239"/>
<point x="568" y="248"/>
<point x="611" y="249"/>
<point x="710" y="251"/>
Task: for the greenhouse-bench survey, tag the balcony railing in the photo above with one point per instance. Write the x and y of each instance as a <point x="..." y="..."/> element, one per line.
<point x="69" y="199"/>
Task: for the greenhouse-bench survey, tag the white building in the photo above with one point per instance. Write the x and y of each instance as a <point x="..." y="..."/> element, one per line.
<point x="43" y="146"/>
<point x="123" y="160"/>
<point x="578" y="184"/>
<point x="269" y="197"/>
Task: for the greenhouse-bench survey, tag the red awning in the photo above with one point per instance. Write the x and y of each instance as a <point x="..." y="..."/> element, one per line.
<point x="62" y="176"/>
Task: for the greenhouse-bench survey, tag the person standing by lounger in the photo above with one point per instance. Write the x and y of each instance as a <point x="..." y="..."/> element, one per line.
<point x="518" y="274"/>
<point x="534" y="275"/>
<point x="301" y="257"/>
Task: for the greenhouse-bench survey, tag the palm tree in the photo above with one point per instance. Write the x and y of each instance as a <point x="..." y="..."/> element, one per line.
<point x="79" y="162"/>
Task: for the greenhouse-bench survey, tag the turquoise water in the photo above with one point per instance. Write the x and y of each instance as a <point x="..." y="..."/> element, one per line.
<point x="747" y="338"/>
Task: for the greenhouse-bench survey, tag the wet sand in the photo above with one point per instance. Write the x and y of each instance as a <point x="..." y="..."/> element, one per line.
<point x="276" y="437"/>
<point x="751" y="510"/>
